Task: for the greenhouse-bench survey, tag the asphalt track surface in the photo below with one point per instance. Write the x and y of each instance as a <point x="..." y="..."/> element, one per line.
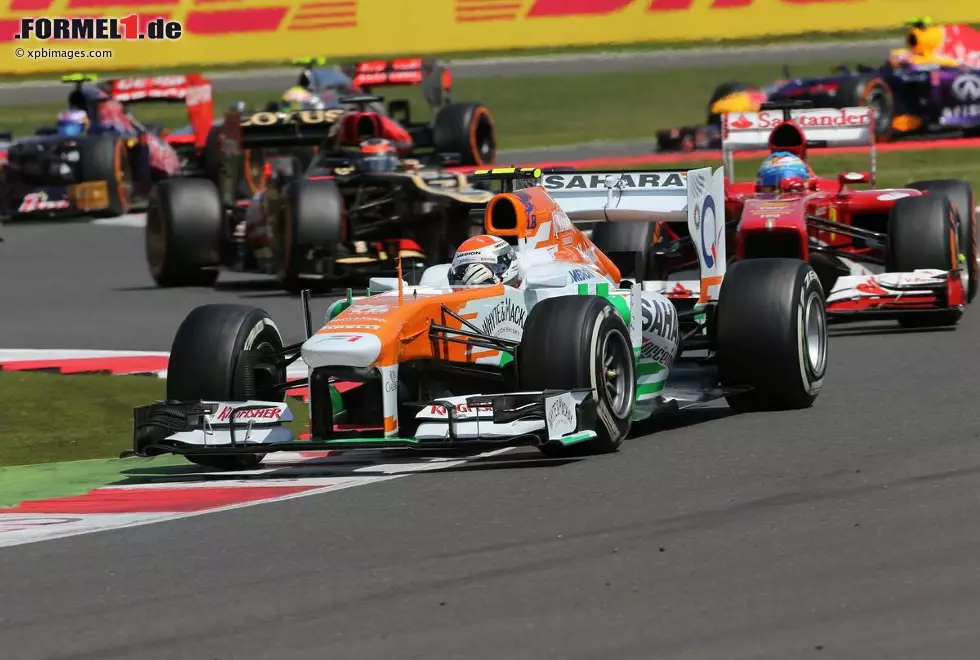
<point x="27" y="93"/>
<point x="843" y="531"/>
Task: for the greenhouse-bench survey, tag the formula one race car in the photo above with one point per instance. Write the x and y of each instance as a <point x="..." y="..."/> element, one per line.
<point x="463" y="132"/>
<point x="564" y="358"/>
<point x="908" y="254"/>
<point x="331" y="221"/>
<point x="99" y="158"/>
<point x="933" y="88"/>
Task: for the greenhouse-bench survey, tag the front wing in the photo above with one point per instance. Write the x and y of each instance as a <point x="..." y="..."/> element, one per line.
<point x="475" y="421"/>
<point x="858" y="297"/>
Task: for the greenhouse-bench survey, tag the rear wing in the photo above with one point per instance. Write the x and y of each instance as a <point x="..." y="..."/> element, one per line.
<point x="693" y="196"/>
<point x="282" y="129"/>
<point x="433" y="76"/>
<point x="192" y="89"/>
<point x="780" y="127"/>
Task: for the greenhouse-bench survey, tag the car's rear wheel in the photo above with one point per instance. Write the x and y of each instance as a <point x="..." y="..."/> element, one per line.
<point x="771" y="334"/>
<point x="208" y="363"/>
<point x="183" y="232"/>
<point x="313" y="218"/>
<point x="466" y="129"/>
<point x="573" y="342"/>
<point x="105" y="157"/>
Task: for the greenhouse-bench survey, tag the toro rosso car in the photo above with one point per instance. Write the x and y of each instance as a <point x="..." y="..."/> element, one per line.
<point x="929" y="89"/>
<point x="331" y="221"/>
<point x="908" y="253"/>
<point x="456" y="133"/>
<point x="100" y="159"/>
<point x="564" y="359"/>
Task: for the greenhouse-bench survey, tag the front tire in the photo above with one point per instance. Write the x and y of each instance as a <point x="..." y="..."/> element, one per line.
<point x="208" y="362"/>
<point x="573" y="342"/>
<point x="771" y="334"/>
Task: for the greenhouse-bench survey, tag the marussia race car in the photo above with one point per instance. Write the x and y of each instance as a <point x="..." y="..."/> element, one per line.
<point x="109" y="169"/>
<point x="456" y="133"/>
<point x="908" y="253"/>
<point x="329" y="222"/>
<point x="912" y="97"/>
<point x="565" y="361"/>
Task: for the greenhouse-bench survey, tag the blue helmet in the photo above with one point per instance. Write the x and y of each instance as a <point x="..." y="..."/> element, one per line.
<point x="72" y="122"/>
<point x="779" y="167"/>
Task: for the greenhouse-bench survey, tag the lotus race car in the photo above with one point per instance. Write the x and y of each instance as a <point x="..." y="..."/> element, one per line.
<point x="908" y="254"/>
<point x="109" y="167"/>
<point x="324" y="223"/>
<point x="566" y="361"/>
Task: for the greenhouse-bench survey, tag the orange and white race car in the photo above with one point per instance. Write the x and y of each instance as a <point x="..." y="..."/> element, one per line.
<point x="552" y="350"/>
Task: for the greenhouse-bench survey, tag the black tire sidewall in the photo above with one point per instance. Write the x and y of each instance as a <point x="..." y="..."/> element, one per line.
<point x="185" y="215"/>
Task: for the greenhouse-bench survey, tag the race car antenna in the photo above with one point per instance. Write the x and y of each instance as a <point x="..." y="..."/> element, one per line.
<point x="401" y="282"/>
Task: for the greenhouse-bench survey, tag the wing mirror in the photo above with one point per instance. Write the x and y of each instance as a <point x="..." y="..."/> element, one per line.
<point x="853" y="178"/>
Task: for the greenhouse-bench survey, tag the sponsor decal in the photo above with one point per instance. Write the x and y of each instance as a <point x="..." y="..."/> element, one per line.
<point x="961" y="111"/>
<point x="622" y="181"/>
<point x="659" y="318"/>
<point x="560" y="415"/>
<point x="39" y="202"/>
<point x="505" y="318"/>
<point x="967" y="87"/>
<point x="367" y="309"/>
<point x="652" y="352"/>
<point x="340" y="337"/>
<point x="353" y="326"/>
<point x="887" y="197"/>
<point x="390" y="380"/>
<point x="710" y="251"/>
<point x="461" y="409"/>
<point x="532" y="216"/>
<point x="824" y="118"/>
<point x="99" y="29"/>
<point x="255" y="413"/>
<point x="581" y="275"/>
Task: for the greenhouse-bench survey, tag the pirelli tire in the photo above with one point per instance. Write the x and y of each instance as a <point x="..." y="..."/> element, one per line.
<point x="573" y="342"/>
<point x="771" y="334"/>
<point x="314" y="218"/>
<point x="466" y="129"/>
<point x="922" y="234"/>
<point x="218" y="355"/>
<point x="961" y="196"/>
<point x="105" y="157"/>
<point x="183" y="233"/>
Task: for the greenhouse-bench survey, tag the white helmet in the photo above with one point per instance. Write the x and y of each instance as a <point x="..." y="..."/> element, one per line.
<point x="483" y="260"/>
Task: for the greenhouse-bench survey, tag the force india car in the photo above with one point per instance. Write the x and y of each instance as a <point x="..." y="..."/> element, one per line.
<point x="110" y="168"/>
<point x="327" y="223"/>
<point x="910" y="98"/>
<point x="906" y="253"/>
<point x="565" y="361"/>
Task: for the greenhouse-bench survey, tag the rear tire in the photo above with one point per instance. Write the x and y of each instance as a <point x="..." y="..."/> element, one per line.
<point x="922" y="233"/>
<point x="566" y="343"/>
<point x="314" y="218"/>
<point x="206" y="363"/>
<point x="466" y="129"/>
<point x="183" y="232"/>
<point x="105" y="157"/>
<point x="771" y="334"/>
<point x="960" y="194"/>
<point x="630" y="245"/>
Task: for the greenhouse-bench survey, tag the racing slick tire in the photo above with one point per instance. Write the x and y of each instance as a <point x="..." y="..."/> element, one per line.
<point x="771" y="334"/>
<point x="466" y="129"/>
<point x="208" y="362"/>
<point x="922" y="233"/>
<point x="573" y="342"/>
<point x="630" y="245"/>
<point x="183" y="232"/>
<point x="878" y="95"/>
<point x="105" y="157"/>
<point x="960" y="194"/>
<point x="313" y="218"/>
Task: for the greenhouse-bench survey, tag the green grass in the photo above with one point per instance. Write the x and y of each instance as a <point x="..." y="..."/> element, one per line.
<point x="529" y="110"/>
<point x="51" y="417"/>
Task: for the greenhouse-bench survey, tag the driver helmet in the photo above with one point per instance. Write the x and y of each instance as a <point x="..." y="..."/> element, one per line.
<point x="779" y="167"/>
<point x="484" y="260"/>
<point x="377" y="155"/>
<point x="72" y="122"/>
<point x="296" y="98"/>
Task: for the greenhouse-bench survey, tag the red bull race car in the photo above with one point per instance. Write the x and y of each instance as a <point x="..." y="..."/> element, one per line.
<point x="99" y="159"/>
<point x="907" y="254"/>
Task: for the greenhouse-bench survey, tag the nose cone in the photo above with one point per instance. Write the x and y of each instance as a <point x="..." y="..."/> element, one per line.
<point x="342" y="349"/>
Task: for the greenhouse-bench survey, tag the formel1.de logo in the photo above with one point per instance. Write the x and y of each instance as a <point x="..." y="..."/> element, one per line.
<point x="98" y="29"/>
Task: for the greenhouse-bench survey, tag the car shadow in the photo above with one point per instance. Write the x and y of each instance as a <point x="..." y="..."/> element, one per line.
<point x="881" y="330"/>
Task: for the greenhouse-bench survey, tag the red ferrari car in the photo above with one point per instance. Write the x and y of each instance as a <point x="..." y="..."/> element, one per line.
<point x="903" y="253"/>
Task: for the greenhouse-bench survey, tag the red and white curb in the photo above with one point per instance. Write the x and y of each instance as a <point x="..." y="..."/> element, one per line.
<point x="286" y="476"/>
